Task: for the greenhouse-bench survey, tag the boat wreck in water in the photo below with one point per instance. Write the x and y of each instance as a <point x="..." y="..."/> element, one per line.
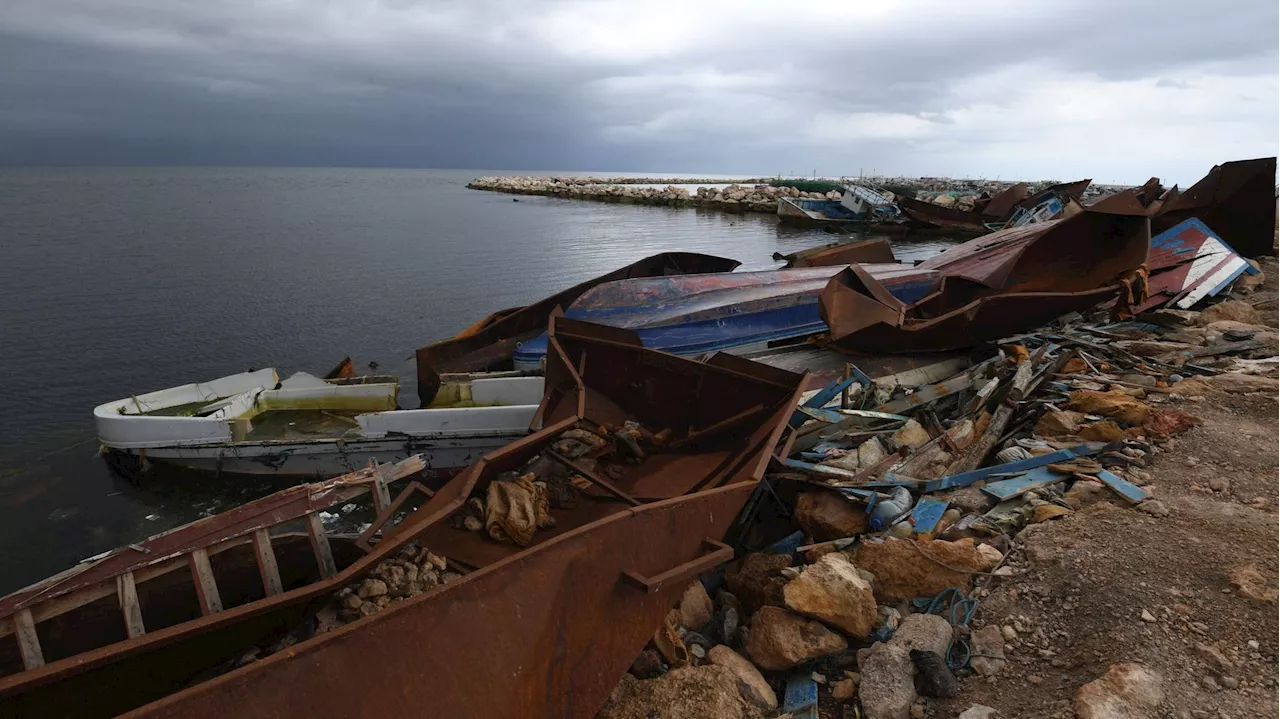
<point x="857" y="204"/>
<point x="643" y="466"/>
<point x="254" y="424"/>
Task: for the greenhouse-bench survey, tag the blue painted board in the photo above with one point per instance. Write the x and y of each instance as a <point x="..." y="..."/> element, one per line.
<point x="1009" y="488"/>
<point x="1126" y="489"/>
<point x="824" y="395"/>
<point x="964" y="479"/>
<point x="927" y="513"/>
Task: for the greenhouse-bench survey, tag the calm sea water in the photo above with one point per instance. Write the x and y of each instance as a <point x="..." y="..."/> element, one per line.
<point x="122" y="281"/>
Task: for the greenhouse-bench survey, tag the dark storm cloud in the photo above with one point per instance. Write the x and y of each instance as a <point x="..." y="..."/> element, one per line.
<point x="907" y="87"/>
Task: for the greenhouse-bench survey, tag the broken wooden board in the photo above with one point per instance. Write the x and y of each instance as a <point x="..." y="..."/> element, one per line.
<point x="1017" y="486"/>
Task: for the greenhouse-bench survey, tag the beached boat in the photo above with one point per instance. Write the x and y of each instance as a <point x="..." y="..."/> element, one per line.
<point x="487" y="345"/>
<point x="857" y="204"/>
<point x="254" y="424"/>
<point x="732" y="311"/>
<point x="647" y="516"/>
<point x="946" y="218"/>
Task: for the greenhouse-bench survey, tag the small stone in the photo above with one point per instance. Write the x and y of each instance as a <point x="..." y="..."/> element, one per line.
<point x="1254" y="645"/>
<point x="843" y="690"/>
<point x="1147" y="616"/>
<point x="1229" y="682"/>
<point x="437" y="561"/>
<point x="790" y="572"/>
<point x="372" y="588"/>
<point x="1010" y="634"/>
<point x="1154" y="507"/>
<point x="917" y="711"/>
<point x="979" y="711"/>
<point x="1209" y="683"/>
<point x="751" y="684"/>
<point x="696" y="606"/>
<point x="1035" y="679"/>
<point x="1219" y="484"/>
<point x="1125" y="690"/>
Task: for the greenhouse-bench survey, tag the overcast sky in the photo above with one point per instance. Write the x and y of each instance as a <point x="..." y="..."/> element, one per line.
<point x="1116" y="91"/>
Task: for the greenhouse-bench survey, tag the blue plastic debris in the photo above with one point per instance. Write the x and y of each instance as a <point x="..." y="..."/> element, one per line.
<point x="824" y="395"/>
<point x="801" y="697"/>
<point x="788" y="544"/>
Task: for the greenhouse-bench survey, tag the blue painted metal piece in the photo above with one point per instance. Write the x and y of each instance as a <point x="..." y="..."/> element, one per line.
<point x="788" y="544"/>
<point x="964" y="479"/>
<point x="927" y="513"/>
<point x="819" y="400"/>
<point x="832" y="416"/>
<point x="1009" y="488"/>
<point x="1126" y="489"/>
<point x="801" y="697"/>
<point x="692" y="314"/>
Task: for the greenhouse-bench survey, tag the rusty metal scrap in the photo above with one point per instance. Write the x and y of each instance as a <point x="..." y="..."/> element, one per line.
<point x="840" y="254"/>
<point x="543" y="630"/>
<point x="993" y="286"/>
<point x="1237" y="200"/>
<point x="488" y="344"/>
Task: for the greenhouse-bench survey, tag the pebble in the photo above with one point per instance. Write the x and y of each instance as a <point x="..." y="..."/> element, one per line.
<point x="1229" y="682"/>
<point x="1154" y="507"/>
<point x="1209" y="683"/>
<point x="1010" y="634"/>
<point x="1035" y="679"/>
<point x="1192" y="461"/>
<point x="1219" y="484"/>
<point x="917" y="711"/>
<point x="1254" y="645"/>
<point x="1200" y="627"/>
<point x="1147" y="616"/>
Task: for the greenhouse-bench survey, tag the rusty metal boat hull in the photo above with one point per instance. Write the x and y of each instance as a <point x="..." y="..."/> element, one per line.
<point x="543" y="630"/>
<point x="931" y="215"/>
<point x="488" y="344"/>
<point x="1237" y="200"/>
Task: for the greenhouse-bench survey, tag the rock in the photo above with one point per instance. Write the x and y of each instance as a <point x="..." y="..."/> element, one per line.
<point x="1148" y="616"/>
<point x="648" y="665"/>
<point x="906" y="569"/>
<point x="871" y="453"/>
<point x="1219" y="484"/>
<point x="1229" y="682"/>
<point x="971" y="500"/>
<point x="1104" y="431"/>
<point x="1250" y="584"/>
<point x="755" y="580"/>
<point x="1247" y="283"/>
<point x="1240" y="383"/>
<point x="1059" y="424"/>
<point x="843" y="690"/>
<point x="1209" y="683"/>
<point x="706" y="691"/>
<point x="372" y="588"/>
<point x="987" y="646"/>
<point x="990" y="556"/>
<point x="1124" y="692"/>
<point x="1009" y="633"/>
<point x="1188" y="335"/>
<point x="830" y="590"/>
<point x="751" y="684"/>
<point x="695" y="606"/>
<point x="1215" y="657"/>
<point x="1087" y="491"/>
<point x="933" y="677"/>
<point x="1153" y="507"/>
<point x="1116" y="405"/>
<point x="927" y="632"/>
<point x="825" y="515"/>
<point x="780" y="639"/>
<point x="887" y="689"/>
<point x="917" y="710"/>
<point x="911" y="435"/>
<point x="1234" y="310"/>
<point x="1165" y="423"/>
<point x="1045" y="512"/>
<point x="1192" y="387"/>
<point x="979" y="711"/>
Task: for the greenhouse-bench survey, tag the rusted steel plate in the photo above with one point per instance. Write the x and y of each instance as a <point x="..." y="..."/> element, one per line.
<point x="1007" y="282"/>
<point x="1236" y="199"/>
<point x="553" y="624"/>
<point x="1001" y="206"/>
<point x="488" y="344"/>
<point x="840" y="254"/>
<point x="927" y="213"/>
<point x="1072" y="190"/>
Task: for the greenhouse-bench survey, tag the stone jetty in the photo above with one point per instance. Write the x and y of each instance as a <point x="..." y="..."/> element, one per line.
<point x="734" y="197"/>
<point x="744" y="195"/>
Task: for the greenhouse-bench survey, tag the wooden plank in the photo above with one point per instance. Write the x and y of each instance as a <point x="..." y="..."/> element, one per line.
<point x="127" y="594"/>
<point x="267" y="567"/>
<point x="1126" y="489"/>
<point x="381" y="493"/>
<point x="927" y="513"/>
<point x="28" y="641"/>
<point x="320" y="545"/>
<point x="206" y="586"/>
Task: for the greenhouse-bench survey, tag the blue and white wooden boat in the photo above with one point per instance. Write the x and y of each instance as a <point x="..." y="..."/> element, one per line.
<point x="730" y="311"/>
<point x="856" y="204"/>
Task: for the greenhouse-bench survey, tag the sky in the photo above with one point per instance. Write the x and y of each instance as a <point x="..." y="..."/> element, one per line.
<point x="1115" y="91"/>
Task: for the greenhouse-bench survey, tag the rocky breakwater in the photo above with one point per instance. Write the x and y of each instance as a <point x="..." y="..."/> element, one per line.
<point x="731" y="198"/>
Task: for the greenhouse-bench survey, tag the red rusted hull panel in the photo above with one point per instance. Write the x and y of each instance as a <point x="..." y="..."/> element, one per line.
<point x="932" y="215"/>
<point x="1006" y="282"/>
<point x="544" y="630"/>
<point x="870" y="251"/>
<point x="489" y="344"/>
<point x="1001" y="206"/>
<point x="1237" y="200"/>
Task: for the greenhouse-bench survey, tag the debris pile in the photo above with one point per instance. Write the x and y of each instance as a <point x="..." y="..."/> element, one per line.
<point x="899" y="506"/>
<point x="411" y="573"/>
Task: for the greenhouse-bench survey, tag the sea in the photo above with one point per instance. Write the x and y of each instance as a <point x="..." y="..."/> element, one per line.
<point x="120" y="281"/>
